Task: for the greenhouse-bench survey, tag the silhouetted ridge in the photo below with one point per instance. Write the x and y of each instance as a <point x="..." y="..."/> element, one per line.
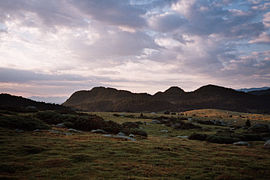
<point x="18" y="103"/>
<point x="173" y="99"/>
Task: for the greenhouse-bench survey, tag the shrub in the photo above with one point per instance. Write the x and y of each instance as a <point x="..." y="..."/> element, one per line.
<point x="112" y="127"/>
<point x="196" y="136"/>
<point x="50" y="117"/>
<point x="22" y="122"/>
<point x="249" y="137"/>
<point x="221" y="139"/>
<point x="130" y="125"/>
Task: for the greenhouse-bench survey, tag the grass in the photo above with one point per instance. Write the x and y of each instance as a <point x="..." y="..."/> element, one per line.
<point x="44" y="155"/>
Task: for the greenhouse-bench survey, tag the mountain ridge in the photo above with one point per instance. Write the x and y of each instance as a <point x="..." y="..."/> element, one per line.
<point x="172" y="99"/>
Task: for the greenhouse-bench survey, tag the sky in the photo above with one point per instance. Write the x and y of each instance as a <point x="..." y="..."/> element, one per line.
<point x="50" y="49"/>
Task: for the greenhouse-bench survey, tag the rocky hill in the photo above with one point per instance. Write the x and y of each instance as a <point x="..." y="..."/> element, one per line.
<point x="173" y="99"/>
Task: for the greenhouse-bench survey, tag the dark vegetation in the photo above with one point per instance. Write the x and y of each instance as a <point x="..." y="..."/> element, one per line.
<point x="23" y="122"/>
<point x="174" y="99"/>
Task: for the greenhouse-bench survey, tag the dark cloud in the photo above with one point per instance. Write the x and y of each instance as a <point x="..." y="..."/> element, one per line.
<point x="22" y="76"/>
<point x="115" y="12"/>
<point x="168" y="22"/>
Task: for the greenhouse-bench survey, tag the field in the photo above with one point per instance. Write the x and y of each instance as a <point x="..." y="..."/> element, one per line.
<point x="164" y="154"/>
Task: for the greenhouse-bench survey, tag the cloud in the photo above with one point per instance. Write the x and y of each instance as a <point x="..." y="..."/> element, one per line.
<point x="61" y="46"/>
<point x="114" y="12"/>
<point x="262" y="38"/>
<point x="18" y="76"/>
<point x="266" y="20"/>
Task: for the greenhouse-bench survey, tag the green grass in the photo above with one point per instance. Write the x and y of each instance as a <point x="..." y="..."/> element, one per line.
<point x="44" y="155"/>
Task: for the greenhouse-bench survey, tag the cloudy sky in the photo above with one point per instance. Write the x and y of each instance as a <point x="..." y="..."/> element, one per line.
<point x="51" y="48"/>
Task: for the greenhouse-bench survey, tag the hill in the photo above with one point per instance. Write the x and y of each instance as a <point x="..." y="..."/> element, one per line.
<point x="253" y="89"/>
<point x="173" y="99"/>
<point x="265" y="92"/>
<point x="18" y="103"/>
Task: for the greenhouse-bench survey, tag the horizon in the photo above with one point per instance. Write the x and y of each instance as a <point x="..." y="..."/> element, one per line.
<point x="61" y="99"/>
<point x="50" y="49"/>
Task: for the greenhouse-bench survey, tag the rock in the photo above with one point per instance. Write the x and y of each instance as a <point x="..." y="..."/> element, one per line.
<point x="119" y="137"/>
<point x="183" y="137"/>
<point x="260" y="128"/>
<point x="99" y="131"/>
<point x="19" y="130"/>
<point x="68" y="134"/>
<point x="108" y="135"/>
<point x="164" y="131"/>
<point x="74" y="130"/>
<point x="267" y="144"/>
<point x="154" y="121"/>
<point x="121" y="134"/>
<point x="241" y="143"/>
<point x="55" y="131"/>
<point x="60" y="125"/>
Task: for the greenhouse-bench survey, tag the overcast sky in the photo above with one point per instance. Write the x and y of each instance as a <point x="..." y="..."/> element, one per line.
<point x="55" y="47"/>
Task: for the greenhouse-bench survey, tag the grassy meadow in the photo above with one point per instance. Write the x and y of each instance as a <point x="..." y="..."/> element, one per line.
<point x="162" y="155"/>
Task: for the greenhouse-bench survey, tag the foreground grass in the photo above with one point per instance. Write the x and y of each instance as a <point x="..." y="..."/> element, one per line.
<point x="44" y="155"/>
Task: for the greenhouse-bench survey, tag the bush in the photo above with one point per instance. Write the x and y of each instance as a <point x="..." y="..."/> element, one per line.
<point x="196" y="136"/>
<point x="221" y="139"/>
<point x="249" y="137"/>
<point x="130" y="125"/>
<point x="111" y="127"/>
<point x="183" y="125"/>
<point x="27" y="123"/>
<point x="50" y="117"/>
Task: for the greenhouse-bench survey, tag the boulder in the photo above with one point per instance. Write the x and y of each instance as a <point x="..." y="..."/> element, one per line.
<point x="241" y="143"/>
<point x="154" y="121"/>
<point x="121" y="134"/>
<point x="99" y="131"/>
<point x="120" y="137"/>
<point x="60" y="125"/>
<point x="183" y="137"/>
<point x="131" y="135"/>
<point x="164" y="131"/>
<point x="74" y="130"/>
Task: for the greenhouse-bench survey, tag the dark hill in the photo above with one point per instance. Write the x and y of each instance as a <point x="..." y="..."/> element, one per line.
<point x="18" y="103"/>
<point x="173" y="99"/>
